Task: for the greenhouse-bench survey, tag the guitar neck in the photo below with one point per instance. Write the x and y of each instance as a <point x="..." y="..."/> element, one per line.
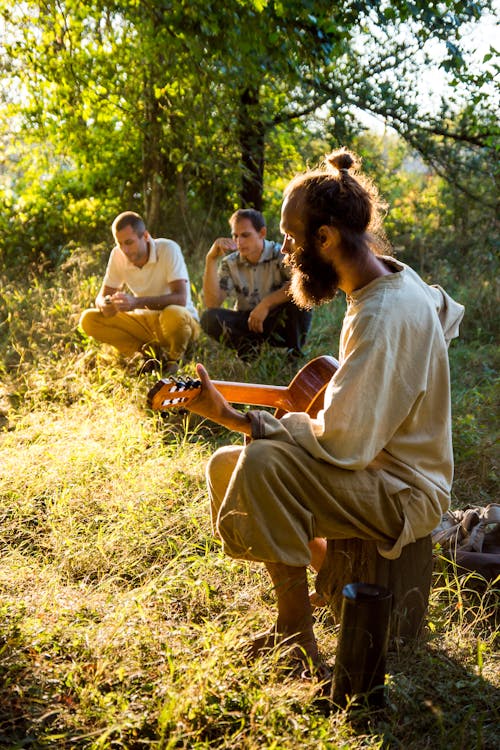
<point x="277" y="396"/>
<point x="304" y="394"/>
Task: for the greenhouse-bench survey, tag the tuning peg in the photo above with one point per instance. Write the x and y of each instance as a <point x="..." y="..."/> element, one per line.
<point x="191" y="383"/>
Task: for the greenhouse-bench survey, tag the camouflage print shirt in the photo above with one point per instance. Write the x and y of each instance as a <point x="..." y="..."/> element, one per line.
<point x="251" y="282"/>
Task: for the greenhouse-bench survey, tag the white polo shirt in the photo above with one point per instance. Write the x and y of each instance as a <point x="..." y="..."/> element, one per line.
<point x="165" y="265"/>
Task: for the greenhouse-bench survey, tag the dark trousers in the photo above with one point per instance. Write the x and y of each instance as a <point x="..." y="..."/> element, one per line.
<point x="286" y="325"/>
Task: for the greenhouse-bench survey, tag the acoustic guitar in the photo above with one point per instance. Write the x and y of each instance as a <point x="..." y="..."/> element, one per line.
<point x="305" y="392"/>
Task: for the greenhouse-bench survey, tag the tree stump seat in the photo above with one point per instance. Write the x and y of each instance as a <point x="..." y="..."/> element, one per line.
<point x="408" y="578"/>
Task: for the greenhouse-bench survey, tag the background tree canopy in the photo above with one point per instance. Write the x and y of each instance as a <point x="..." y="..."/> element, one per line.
<point x="184" y="110"/>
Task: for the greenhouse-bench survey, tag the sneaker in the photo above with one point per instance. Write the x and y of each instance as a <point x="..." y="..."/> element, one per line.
<point x="293" y="354"/>
<point x="149" y="365"/>
<point x="170" y="367"/>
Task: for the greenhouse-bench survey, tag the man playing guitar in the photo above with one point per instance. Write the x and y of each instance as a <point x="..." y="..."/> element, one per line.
<point x="375" y="461"/>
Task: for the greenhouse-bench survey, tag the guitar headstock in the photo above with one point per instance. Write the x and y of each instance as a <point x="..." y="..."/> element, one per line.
<point x="170" y="393"/>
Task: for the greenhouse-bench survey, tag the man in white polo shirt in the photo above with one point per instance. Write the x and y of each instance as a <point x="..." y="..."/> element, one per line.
<point x="144" y="304"/>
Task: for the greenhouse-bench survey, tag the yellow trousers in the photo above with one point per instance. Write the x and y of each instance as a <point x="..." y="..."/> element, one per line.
<point x="171" y="328"/>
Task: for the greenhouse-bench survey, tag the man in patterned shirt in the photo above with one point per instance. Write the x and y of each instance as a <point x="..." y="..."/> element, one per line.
<point x="252" y="270"/>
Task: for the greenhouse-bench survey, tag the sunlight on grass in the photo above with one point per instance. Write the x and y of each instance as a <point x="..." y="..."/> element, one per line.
<point x="122" y="624"/>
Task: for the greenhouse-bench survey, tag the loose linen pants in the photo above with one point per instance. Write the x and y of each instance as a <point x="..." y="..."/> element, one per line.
<point x="172" y="328"/>
<point x="270" y="498"/>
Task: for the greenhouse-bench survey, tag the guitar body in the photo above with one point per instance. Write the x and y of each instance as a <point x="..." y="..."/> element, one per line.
<point x="305" y="392"/>
<point x="307" y="389"/>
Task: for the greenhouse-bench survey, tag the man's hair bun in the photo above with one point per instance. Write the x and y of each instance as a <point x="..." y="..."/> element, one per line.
<point x="341" y="160"/>
<point x="338" y="194"/>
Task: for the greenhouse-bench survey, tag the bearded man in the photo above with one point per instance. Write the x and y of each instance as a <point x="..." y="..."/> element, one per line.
<point x="376" y="462"/>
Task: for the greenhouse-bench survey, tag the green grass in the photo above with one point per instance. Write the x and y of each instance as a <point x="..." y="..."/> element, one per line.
<point x="121" y="621"/>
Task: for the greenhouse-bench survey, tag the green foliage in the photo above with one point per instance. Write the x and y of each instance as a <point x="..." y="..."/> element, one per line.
<point x="42" y="223"/>
<point x="437" y="228"/>
<point x="166" y="108"/>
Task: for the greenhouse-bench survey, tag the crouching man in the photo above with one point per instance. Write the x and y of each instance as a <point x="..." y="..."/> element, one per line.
<point x="144" y="305"/>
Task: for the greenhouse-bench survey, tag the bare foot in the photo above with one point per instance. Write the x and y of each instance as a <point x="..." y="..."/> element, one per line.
<point x="301" y="647"/>
<point x="263" y="642"/>
<point x="317" y="600"/>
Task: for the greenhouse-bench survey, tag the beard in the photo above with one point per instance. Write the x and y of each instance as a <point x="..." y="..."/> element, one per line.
<point x="314" y="281"/>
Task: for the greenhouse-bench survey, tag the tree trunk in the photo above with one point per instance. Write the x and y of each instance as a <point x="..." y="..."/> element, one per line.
<point x="152" y="160"/>
<point x="252" y="139"/>
<point x="408" y="578"/>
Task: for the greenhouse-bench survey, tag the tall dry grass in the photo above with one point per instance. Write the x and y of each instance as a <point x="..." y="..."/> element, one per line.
<point x="121" y="621"/>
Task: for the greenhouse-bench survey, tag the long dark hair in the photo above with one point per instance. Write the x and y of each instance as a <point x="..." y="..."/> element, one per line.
<point x="338" y="195"/>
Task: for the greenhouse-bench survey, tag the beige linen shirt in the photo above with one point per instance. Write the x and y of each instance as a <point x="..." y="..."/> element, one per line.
<point x="388" y="405"/>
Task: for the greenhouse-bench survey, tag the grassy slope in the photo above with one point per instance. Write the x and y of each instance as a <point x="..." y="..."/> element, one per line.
<point x="121" y="622"/>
